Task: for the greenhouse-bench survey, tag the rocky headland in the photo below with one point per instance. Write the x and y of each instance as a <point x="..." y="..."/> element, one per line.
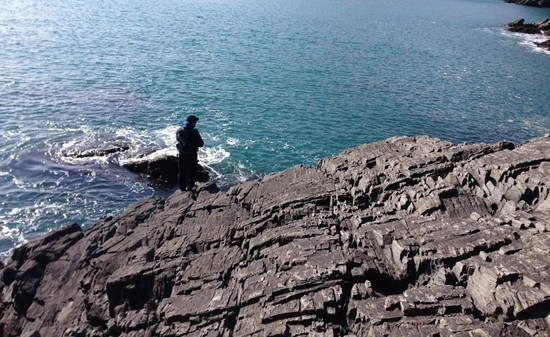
<point x="532" y="3"/>
<point x="542" y="28"/>
<point x="411" y="236"/>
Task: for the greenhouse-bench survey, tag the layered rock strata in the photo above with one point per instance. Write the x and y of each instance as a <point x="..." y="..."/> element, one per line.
<point x="405" y="237"/>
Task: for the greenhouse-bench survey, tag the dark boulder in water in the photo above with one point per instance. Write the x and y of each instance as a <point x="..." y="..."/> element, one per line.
<point x="161" y="169"/>
<point x="411" y="236"/>
<point x="544" y="44"/>
<point x="157" y="166"/>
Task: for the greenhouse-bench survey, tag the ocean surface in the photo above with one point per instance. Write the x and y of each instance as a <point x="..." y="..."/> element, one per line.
<point x="275" y="83"/>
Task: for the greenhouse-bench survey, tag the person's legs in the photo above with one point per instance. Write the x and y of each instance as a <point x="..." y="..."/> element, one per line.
<point x="193" y="165"/>
<point x="183" y="171"/>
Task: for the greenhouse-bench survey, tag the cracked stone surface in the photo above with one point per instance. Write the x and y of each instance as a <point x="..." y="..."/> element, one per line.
<point x="411" y="236"/>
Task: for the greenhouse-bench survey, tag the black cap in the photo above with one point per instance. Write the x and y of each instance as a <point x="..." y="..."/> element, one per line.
<point x="192" y="118"/>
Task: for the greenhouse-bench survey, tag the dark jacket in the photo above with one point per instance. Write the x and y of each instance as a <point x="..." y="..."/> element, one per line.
<point x="189" y="139"/>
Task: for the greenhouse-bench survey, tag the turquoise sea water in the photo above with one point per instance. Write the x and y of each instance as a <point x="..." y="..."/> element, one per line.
<point x="274" y="82"/>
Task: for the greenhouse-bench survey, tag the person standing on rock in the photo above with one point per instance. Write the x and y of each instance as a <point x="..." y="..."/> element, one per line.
<point x="189" y="140"/>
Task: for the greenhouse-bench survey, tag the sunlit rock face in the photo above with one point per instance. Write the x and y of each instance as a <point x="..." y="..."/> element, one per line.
<point x="409" y="236"/>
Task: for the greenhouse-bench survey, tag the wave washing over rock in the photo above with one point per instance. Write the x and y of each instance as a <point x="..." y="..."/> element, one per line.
<point x="405" y="237"/>
<point x="539" y="28"/>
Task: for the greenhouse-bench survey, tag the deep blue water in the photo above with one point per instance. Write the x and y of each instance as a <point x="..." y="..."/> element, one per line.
<point x="274" y="82"/>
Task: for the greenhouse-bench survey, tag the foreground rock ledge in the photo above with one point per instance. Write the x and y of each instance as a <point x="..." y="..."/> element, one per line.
<point x="405" y="237"/>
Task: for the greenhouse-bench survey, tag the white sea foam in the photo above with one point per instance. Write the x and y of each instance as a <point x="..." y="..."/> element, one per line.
<point x="85" y="160"/>
<point x="9" y="239"/>
<point x="210" y="156"/>
<point x="18" y="221"/>
<point x="528" y="40"/>
<point x="213" y="155"/>
<point x="134" y="135"/>
<point x="149" y="157"/>
<point x="19" y="183"/>
<point x="167" y="135"/>
<point x="232" y="141"/>
<point x="68" y="145"/>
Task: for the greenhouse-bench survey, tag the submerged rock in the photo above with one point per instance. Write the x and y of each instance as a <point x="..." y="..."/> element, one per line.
<point x="106" y="150"/>
<point x="83" y="150"/>
<point x="409" y="236"/>
<point x="544" y="44"/>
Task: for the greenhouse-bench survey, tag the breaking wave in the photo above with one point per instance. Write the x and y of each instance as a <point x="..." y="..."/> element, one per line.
<point x="528" y="40"/>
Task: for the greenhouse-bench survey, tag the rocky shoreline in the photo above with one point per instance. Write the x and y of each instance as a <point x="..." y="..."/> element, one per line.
<point x="410" y="236"/>
<point x="531" y="3"/>
<point x="542" y="28"/>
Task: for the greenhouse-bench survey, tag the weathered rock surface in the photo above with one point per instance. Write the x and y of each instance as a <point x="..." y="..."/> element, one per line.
<point x="532" y="3"/>
<point x="161" y="169"/>
<point x="406" y="237"/>
<point x="519" y="26"/>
